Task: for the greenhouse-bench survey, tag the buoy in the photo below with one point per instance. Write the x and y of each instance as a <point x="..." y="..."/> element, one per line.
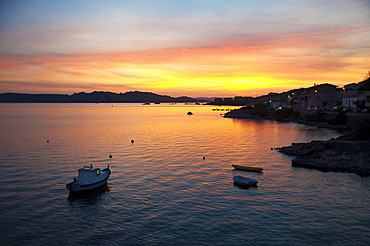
<point x="110" y="156"/>
<point x="132" y="141"/>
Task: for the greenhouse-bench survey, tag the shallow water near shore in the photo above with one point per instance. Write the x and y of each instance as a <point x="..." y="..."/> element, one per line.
<point x="162" y="191"/>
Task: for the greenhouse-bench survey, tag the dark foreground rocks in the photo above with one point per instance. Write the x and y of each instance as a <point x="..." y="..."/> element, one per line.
<point x="332" y="155"/>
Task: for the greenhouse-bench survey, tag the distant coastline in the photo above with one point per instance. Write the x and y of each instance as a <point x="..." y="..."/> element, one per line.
<point x="93" y="97"/>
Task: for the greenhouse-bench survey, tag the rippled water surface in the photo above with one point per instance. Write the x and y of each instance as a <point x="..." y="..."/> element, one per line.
<point x="162" y="191"/>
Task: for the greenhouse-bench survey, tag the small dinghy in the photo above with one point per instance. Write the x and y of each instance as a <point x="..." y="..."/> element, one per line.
<point x="245" y="182"/>
<point x="248" y="169"/>
<point x="89" y="178"/>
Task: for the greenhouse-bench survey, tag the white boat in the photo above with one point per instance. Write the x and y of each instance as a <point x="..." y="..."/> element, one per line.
<point x="89" y="178"/>
<point x="243" y="181"/>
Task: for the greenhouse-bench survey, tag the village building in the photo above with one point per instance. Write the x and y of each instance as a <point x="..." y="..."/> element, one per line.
<point x="349" y="100"/>
<point x="219" y="100"/>
<point x="239" y="99"/>
<point x="367" y="99"/>
<point x="318" y="96"/>
<point x="228" y="100"/>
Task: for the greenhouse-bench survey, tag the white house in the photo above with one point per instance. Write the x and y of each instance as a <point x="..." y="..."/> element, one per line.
<point x="367" y="101"/>
<point x="349" y="101"/>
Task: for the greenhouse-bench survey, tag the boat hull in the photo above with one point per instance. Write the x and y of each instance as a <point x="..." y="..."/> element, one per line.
<point x="248" y="169"/>
<point x="75" y="186"/>
<point x="245" y="182"/>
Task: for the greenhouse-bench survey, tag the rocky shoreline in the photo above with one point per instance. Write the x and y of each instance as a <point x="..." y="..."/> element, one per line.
<point x="333" y="155"/>
<point x="349" y="153"/>
<point x="308" y="119"/>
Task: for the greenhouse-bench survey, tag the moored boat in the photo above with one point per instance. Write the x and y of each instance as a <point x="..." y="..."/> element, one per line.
<point x="248" y="169"/>
<point x="245" y="182"/>
<point x="89" y="178"/>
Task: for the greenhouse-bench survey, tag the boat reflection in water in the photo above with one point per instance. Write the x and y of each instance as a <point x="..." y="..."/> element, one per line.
<point x="90" y="196"/>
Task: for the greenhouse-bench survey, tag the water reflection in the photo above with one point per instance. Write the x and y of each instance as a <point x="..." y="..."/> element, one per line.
<point x="162" y="190"/>
<point x="245" y="173"/>
<point x="245" y="187"/>
<point x="92" y="197"/>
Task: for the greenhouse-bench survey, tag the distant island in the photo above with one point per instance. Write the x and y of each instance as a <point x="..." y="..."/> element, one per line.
<point x="93" y="97"/>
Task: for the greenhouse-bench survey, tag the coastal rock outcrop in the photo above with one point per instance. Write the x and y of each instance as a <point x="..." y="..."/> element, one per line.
<point x="332" y="155"/>
<point x="313" y="118"/>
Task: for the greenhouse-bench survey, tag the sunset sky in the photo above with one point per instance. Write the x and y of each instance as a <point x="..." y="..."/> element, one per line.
<point x="194" y="48"/>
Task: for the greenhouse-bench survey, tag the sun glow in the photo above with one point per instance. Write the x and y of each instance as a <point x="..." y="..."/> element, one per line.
<point x="193" y="53"/>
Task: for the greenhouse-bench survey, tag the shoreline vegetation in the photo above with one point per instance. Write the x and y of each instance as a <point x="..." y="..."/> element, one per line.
<point x="347" y="153"/>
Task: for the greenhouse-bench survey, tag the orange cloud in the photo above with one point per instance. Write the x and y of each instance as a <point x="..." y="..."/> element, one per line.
<point x="242" y="66"/>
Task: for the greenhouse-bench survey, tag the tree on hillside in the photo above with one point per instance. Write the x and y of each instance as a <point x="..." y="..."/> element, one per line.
<point x="365" y="84"/>
<point x="367" y="75"/>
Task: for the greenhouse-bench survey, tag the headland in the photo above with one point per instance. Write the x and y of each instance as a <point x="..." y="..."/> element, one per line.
<point x="348" y="153"/>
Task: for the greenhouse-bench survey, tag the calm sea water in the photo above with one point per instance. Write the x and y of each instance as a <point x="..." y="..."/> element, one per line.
<point x="162" y="191"/>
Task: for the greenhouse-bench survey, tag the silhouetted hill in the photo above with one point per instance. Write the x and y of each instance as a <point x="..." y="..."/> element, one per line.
<point x="93" y="97"/>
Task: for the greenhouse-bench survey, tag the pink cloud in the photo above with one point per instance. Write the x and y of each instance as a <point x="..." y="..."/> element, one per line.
<point x="301" y="58"/>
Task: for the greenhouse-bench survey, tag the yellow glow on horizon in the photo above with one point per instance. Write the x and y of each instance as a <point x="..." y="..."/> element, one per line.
<point x="195" y="72"/>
